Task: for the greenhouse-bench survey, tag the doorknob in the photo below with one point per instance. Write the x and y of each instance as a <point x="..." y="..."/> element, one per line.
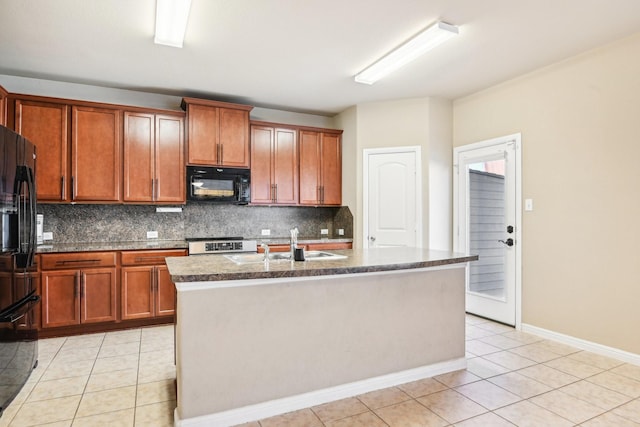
<point x="509" y="242"/>
<point x="510" y="229"/>
<point x="372" y="238"/>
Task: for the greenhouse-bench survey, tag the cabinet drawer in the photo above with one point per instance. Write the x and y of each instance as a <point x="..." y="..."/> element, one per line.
<point x="155" y="257"/>
<point x="77" y="260"/>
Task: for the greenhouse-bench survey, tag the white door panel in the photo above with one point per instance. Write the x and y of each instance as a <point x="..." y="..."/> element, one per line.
<point x="391" y="193"/>
<point x="487" y="223"/>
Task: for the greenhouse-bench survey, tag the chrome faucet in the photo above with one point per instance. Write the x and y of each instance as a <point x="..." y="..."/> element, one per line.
<point x="266" y="251"/>
<point x="294" y="241"/>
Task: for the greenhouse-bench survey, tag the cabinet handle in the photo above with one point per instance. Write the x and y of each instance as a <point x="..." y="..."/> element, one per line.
<point x="62" y="189"/>
<point x="73" y="190"/>
<point x="322" y="194"/>
<point x="275" y="199"/>
<point x="71" y="261"/>
<point x="153" y="189"/>
<point x="76" y="287"/>
<point x="157" y="190"/>
<point x="221" y="153"/>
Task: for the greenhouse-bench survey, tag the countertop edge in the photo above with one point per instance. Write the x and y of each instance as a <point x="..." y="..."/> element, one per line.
<point x="320" y="271"/>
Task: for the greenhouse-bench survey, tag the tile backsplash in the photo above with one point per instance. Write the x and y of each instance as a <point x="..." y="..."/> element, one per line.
<point x="121" y="223"/>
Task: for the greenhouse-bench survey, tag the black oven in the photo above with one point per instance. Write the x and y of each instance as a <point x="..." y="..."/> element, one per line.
<point x="222" y="185"/>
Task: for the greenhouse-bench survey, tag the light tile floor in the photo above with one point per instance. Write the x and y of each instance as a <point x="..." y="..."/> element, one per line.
<point x="512" y="378"/>
<point x="123" y="378"/>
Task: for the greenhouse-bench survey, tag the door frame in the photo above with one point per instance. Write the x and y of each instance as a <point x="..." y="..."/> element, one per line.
<point x="366" y="153"/>
<point x="515" y="138"/>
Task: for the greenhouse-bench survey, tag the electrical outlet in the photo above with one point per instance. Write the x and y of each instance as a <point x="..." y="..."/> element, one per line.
<point x="266" y="232"/>
<point x="152" y="234"/>
<point x="324" y="231"/>
<point x="340" y="231"/>
<point x="47" y="235"/>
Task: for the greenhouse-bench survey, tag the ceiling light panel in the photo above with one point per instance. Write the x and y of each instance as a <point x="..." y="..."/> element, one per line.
<point x="171" y="21"/>
<point x="433" y="36"/>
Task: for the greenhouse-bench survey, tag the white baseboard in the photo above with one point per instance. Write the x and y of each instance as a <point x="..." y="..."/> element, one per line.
<point x="301" y="401"/>
<point x="593" y="347"/>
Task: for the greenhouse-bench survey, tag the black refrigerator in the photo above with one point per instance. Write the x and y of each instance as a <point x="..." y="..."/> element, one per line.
<point x="18" y="274"/>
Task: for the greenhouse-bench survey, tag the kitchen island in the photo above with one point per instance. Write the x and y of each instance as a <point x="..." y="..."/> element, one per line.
<point x="259" y="339"/>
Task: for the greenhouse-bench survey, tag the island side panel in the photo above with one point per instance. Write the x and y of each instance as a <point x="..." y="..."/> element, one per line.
<point x="243" y="345"/>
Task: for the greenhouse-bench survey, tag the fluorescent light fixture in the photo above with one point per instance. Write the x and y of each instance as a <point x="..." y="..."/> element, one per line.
<point x="171" y="21"/>
<point x="428" y="39"/>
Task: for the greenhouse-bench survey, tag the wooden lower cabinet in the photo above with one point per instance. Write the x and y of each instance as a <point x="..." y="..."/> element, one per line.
<point x="73" y="297"/>
<point x="147" y="289"/>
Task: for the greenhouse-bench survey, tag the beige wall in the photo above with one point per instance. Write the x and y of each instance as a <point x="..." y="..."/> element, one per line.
<point x="580" y="125"/>
<point x="424" y="122"/>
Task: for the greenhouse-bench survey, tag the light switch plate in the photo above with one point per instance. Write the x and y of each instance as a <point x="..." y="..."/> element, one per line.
<point x="266" y="232"/>
<point x="340" y="231"/>
<point x="47" y="235"/>
<point x="528" y="205"/>
<point x="324" y="231"/>
<point x="152" y="234"/>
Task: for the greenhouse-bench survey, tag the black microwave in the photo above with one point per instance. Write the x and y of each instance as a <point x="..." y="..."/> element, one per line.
<point x="222" y="185"/>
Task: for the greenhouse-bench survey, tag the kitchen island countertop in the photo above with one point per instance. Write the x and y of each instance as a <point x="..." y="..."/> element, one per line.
<point x="211" y="268"/>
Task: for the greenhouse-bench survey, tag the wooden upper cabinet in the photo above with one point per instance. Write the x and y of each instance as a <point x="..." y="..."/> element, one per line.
<point x="261" y="165"/>
<point x="274" y="165"/>
<point x="3" y="106"/>
<point x="153" y="158"/>
<point x="170" y="171"/>
<point x="46" y="125"/>
<point x="331" y="169"/>
<point x="139" y="157"/>
<point x="320" y="168"/>
<point x="234" y="138"/>
<point x="96" y="148"/>
<point x="217" y="133"/>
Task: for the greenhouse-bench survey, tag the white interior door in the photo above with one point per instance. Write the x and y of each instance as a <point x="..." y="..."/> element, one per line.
<point x="487" y="223"/>
<point x="392" y="197"/>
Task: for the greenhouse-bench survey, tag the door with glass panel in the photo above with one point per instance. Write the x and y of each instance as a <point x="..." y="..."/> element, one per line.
<point x="486" y="223"/>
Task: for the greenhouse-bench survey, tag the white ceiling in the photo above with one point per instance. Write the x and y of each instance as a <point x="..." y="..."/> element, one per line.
<point x="301" y="55"/>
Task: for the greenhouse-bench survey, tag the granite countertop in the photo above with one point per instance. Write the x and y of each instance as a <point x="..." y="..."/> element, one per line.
<point x="157" y="244"/>
<point x="111" y="246"/>
<point x="207" y="268"/>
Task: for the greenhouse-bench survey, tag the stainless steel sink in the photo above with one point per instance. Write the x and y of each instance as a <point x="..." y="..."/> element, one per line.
<point x="282" y="256"/>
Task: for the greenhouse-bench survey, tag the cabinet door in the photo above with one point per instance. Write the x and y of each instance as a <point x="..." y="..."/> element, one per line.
<point x="96" y="154"/>
<point x="165" y="293"/>
<point x="139" y="155"/>
<point x="234" y="138"/>
<point x="60" y="298"/>
<point x="331" y="170"/>
<point x="262" y="191"/>
<point x="98" y="295"/>
<point x="137" y="299"/>
<point x="170" y="171"/>
<point x="309" y="168"/>
<point x="203" y="134"/>
<point x="285" y="166"/>
<point x="45" y="124"/>
<point x="3" y="106"/>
